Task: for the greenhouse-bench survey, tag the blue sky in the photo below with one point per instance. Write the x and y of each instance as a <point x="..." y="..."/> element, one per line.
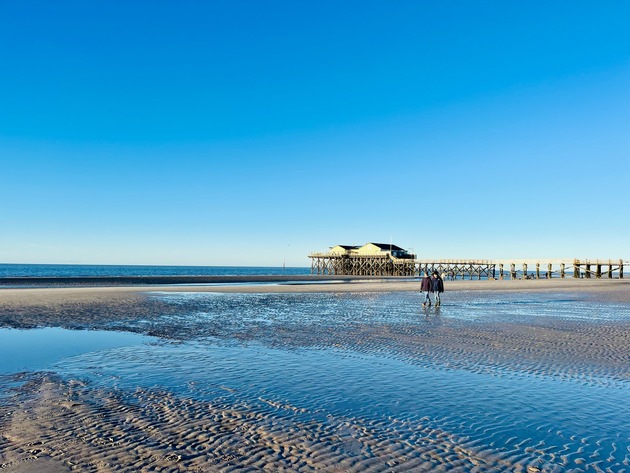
<point x="252" y="133"/>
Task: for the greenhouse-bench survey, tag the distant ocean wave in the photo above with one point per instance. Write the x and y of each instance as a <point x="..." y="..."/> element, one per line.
<point x="90" y="270"/>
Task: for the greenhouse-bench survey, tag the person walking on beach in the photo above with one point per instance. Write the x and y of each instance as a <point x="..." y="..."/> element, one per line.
<point x="438" y="287"/>
<point x="426" y="286"/>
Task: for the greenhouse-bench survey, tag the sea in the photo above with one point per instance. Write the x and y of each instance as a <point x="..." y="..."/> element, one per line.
<point x="98" y="270"/>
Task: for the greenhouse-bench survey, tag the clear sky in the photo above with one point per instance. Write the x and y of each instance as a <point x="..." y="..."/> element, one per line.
<point x="254" y="132"/>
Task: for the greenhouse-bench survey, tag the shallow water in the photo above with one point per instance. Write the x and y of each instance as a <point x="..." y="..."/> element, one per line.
<point x="564" y="417"/>
<point x="39" y="349"/>
<point x="495" y="373"/>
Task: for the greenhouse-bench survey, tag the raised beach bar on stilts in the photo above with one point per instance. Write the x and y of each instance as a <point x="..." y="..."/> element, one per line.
<point x="382" y="259"/>
<point x="371" y="259"/>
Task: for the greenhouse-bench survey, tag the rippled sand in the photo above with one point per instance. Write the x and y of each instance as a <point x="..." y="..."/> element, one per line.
<point x="156" y="431"/>
<point x="505" y="370"/>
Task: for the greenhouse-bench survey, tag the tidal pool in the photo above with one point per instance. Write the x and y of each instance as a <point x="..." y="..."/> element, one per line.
<point x="39" y="349"/>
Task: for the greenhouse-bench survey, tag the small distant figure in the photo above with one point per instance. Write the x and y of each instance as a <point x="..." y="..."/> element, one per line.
<point x="426" y="286"/>
<point x="438" y="288"/>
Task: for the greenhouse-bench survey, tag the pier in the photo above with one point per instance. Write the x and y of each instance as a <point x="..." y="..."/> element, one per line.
<point x="377" y="259"/>
<point x="371" y="259"/>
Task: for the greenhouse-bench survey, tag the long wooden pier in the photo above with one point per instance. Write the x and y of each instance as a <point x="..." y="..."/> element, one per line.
<point x="387" y="265"/>
<point x="456" y="269"/>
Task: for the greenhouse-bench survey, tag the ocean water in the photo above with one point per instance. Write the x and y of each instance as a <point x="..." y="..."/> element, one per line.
<point x="80" y="270"/>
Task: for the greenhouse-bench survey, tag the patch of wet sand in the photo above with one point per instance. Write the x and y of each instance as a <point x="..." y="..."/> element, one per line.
<point x="608" y="289"/>
<point x="541" y="344"/>
<point x="59" y="424"/>
<point x="80" y="306"/>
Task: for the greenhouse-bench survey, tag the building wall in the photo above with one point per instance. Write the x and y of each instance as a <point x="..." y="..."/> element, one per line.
<point x="370" y="249"/>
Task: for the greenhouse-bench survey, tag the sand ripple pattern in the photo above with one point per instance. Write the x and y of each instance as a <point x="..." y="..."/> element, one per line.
<point x="153" y="430"/>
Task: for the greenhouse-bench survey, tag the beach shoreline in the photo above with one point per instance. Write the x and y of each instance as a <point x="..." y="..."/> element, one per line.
<point x="612" y="289"/>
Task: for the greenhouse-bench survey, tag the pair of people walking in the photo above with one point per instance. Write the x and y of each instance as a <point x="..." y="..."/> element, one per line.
<point x="432" y="285"/>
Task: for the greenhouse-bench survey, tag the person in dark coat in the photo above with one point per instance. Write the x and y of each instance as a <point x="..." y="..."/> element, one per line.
<point x="438" y="287"/>
<point x="426" y="286"/>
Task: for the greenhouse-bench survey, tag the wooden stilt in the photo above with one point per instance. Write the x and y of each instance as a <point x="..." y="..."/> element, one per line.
<point x="537" y="270"/>
<point x="562" y="270"/>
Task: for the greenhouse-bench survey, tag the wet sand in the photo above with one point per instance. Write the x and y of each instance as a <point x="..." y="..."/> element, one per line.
<point x="54" y="424"/>
<point x="617" y="289"/>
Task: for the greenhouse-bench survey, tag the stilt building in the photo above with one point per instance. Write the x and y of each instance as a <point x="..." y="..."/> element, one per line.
<point x="382" y="259"/>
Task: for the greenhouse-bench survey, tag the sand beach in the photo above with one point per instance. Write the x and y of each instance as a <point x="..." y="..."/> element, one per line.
<point x="301" y="376"/>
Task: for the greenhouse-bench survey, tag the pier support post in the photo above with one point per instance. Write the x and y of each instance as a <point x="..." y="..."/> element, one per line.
<point x="524" y="270"/>
<point x="620" y="269"/>
<point x="587" y="271"/>
<point x="576" y="268"/>
<point x="549" y="271"/>
<point x="537" y="270"/>
<point x="501" y="271"/>
<point x="598" y="271"/>
<point x="512" y="271"/>
<point x="610" y="269"/>
<point x="561" y="270"/>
